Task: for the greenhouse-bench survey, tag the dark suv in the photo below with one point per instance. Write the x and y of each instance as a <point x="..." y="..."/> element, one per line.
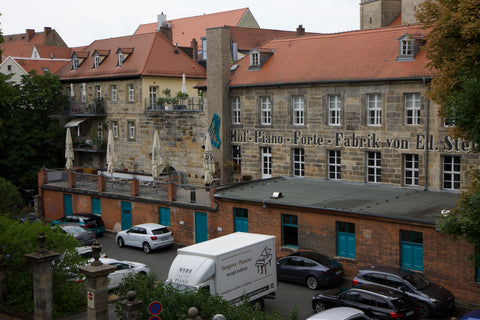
<point x="375" y="301"/>
<point x="431" y="298"/>
<point x="90" y="221"/>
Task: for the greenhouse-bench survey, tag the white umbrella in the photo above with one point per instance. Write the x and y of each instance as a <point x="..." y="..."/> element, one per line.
<point x="184" y="84"/>
<point x="69" y="151"/>
<point x="71" y="90"/>
<point x="208" y="160"/>
<point x="111" y="156"/>
<point x="157" y="161"/>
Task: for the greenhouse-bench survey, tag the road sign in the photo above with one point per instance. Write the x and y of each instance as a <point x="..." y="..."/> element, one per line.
<point x="154" y="318"/>
<point x="90" y="299"/>
<point x="155" y="308"/>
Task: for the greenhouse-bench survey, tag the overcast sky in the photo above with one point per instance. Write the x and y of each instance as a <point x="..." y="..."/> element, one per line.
<point x="82" y="22"/>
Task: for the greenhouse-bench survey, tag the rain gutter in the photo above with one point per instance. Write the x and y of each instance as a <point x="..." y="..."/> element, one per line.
<point x="426" y="82"/>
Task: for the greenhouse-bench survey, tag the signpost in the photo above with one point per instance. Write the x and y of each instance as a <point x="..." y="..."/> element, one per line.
<point x="154" y="309"/>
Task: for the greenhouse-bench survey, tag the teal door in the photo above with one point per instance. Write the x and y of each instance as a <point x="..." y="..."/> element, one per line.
<point x="96" y="207"/>
<point x="201" y="233"/>
<point x="412" y="256"/>
<point x="164" y="216"/>
<point x="126" y="208"/>
<point x="67" y="204"/>
<point x="240" y="219"/>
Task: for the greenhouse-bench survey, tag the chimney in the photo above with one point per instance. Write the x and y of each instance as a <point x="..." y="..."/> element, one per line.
<point x="30" y="33"/>
<point x="162" y="21"/>
<point x="300" y="30"/>
<point x="163" y="28"/>
<point x="47" y="30"/>
<point x="194" y="45"/>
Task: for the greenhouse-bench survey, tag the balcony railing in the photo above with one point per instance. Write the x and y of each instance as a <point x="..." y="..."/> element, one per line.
<point x="91" y="108"/>
<point x="89" y="144"/>
<point x="174" y="104"/>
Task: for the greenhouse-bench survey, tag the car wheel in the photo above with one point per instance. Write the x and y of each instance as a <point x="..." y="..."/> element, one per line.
<point x="120" y="242"/>
<point x="423" y="310"/>
<point x="320" y="306"/>
<point x="312" y="283"/>
<point x="146" y="247"/>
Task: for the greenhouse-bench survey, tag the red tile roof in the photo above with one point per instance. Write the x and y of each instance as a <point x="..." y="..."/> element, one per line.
<point x="20" y="45"/>
<point x="48" y="52"/>
<point x="41" y="65"/>
<point x="350" y="56"/>
<point x="153" y="55"/>
<point x="186" y="29"/>
<point x="397" y="21"/>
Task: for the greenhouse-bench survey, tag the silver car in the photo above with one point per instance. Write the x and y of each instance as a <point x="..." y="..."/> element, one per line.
<point x="340" y="313"/>
<point x="148" y="236"/>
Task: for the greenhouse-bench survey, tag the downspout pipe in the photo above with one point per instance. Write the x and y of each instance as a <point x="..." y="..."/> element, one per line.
<point x="426" y="82"/>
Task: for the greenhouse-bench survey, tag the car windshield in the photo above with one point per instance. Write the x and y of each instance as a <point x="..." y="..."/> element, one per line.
<point x="160" y="231"/>
<point x="74" y="229"/>
<point x="417" y="281"/>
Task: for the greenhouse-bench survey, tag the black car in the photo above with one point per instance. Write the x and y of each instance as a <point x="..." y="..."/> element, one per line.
<point x="375" y="301"/>
<point x="90" y="221"/>
<point x="432" y="299"/>
<point x="310" y="268"/>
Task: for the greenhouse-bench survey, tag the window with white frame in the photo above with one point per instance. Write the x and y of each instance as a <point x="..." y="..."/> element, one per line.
<point x="451" y="172"/>
<point x="298" y="162"/>
<point x="374" y="167"/>
<point x="334" y="109"/>
<point x="266" y="110"/>
<point x="100" y="131"/>
<point x="153" y="96"/>
<point x="131" y="93"/>
<point x="98" y="91"/>
<point x="406" y="47"/>
<point x="411" y="169"/>
<point x="298" y="103"/>
<point x="96" y="61"/>
<point x="334" y="165"/>
<point x="448" y="122"/>
<point x="115" y="129"/>
<point x="412" y="108"/>
<point x="236" y="110"/>
<point x="114" y="92"/>
<point x="120" y="58"/>
<point x="374" y="109"/>
<point x="131" y="130"/>
<point x="267" y="162"/>
<point x="236" y="159"/>
<point x="255" y="59"/>
<point x="75" y="63"/>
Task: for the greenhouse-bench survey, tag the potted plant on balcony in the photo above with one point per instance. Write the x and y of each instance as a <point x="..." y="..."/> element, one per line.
<point x="179" y="103"/>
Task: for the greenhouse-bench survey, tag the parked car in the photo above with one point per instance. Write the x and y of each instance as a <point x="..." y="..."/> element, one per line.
<point x="432" y="299"/>
<point x="148" y="236"/>
<point x="84" y="236"/>
<point x="472" y="315"/>
<point x="376" y="301"/>
<point x="90" y="221"/>
<point x="340" y="313"/>
<point x="28" y="218"/>
<point x="311" y="269"/>
<point x="122" y="269"/>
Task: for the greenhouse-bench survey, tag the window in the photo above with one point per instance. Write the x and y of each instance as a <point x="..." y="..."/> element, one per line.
<point x="410" y="165"/>
<point x="164" y="216"/>
<point x="266" y="162"/>
<point x="131" y="93"/>
<point x="120" y="58"/>
<point x="334" y="165"/>
<point x="131" y="130"/>
<point x="346" y="239"/>
<point x="374" y="167"/>
<point x="204" y="48"/>
<point x="411" y="250"/>
<point x="334" y="110"/>
<point x="114" y="92"/>
<point x="266" y="110"/>
<point x="240" y="219"/>
<point x="9" y="67"/>
<point x="75" y="63"/>
<point x="237" y="159"/>
<point x="451" y="172"/>
<point x="374" y="109"/>
<point x="98" y="91"/>
<point x="255" y="59"/>
<point x="298" y="162"/>
<point x="153" y="96"/>
<point x="115" y="129"/>
<point x="84" y="93"/>
<point x="289" y="231"/>
<point x="412" y="108"/>
<point x="406" y="47"/>
<point x="298" y="110"/>
<point x="448" y="121"/>
<point x="96" y="61"/>
<point x="236" y="110"/>
<point x="100" y="131"/>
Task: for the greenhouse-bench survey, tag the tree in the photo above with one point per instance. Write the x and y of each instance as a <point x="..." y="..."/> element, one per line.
<point x="453" y="48"/>
<point x="10" y="199"/>
<point x="30" y="138"/>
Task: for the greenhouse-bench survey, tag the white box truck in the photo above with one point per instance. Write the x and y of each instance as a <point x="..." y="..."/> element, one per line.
<point x="233" y="266"/>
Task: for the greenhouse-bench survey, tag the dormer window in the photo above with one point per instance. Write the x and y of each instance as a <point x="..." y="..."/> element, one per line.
<point x="77" y="59"/>
<point x="75" y="63"/>
<point x="258" y="57"/>
<point x="255" y="59"/>
<point x="99" y="56"/>
<point x="409" y="45"/>
<point x="120" y="58"/>
<point x="96" y="60"/>
<point x="123" y="54"/>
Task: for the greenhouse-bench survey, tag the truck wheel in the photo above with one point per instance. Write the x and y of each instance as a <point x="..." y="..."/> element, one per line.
<point x="120" y="242"/>
<point x="312" y="283"/>
<point x="320" y="306"/>
<point x="146" y="247"/>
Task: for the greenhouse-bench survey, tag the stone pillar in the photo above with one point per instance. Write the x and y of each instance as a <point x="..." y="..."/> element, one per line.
<point x="134" y="185"/>
<point x="131" y="307"/>
<point x="42" y="280"/>
<point x="71" y="180"/>
<point x="171" y="191"/>
<point x="97" y="286"/>
<point x="101" y="183"/>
